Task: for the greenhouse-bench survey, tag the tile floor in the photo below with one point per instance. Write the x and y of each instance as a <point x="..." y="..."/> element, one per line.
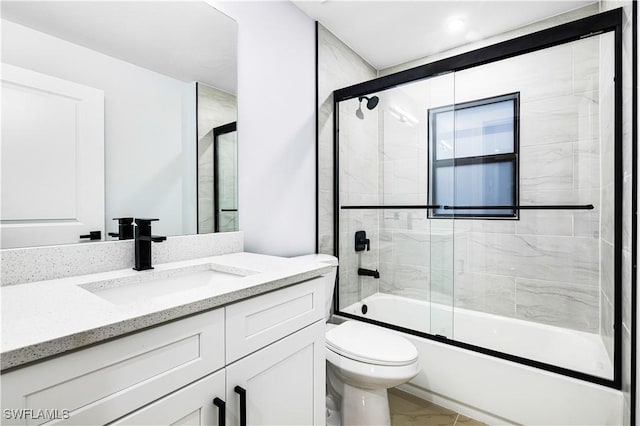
<point x="408" y="410"/>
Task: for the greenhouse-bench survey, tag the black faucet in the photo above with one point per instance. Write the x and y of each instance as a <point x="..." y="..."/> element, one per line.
<point x="143" y="243"/>
<point x="368" y="273"/>
<point x="125" y="228"/>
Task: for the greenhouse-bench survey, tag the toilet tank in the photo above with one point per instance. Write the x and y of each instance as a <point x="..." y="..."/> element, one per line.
<point x="329" y="278"/>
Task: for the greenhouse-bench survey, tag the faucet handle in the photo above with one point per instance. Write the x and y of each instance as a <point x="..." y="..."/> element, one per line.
<point x="124" y="220"/>
<point x="125" y="228"/>
<point x="144" y="226"/>
<point x="145" y="221"/>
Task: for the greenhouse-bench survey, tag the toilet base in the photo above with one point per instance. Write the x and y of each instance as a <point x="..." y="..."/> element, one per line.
<point x="368" y="407"/>
<point x="355" y="406"/>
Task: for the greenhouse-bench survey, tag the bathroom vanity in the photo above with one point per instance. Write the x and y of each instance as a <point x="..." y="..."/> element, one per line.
<point x="234" y="339"/>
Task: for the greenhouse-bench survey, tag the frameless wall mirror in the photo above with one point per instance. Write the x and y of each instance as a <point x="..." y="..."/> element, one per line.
<point x="103" y="114"/>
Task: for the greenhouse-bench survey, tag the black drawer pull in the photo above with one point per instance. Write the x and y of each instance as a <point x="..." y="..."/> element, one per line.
<point x="221" y="411"/>
<point x="243" y="404"/>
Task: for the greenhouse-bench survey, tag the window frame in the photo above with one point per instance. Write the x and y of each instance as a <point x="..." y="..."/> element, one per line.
<point x="513" y="157"/>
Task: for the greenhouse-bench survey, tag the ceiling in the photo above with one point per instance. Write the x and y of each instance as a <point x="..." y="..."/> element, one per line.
<point x="186" y="40"/>
<point x="388" y="33"/>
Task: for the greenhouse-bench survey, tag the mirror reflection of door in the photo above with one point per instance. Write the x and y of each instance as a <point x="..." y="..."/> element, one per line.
<point x="225" y="182"/>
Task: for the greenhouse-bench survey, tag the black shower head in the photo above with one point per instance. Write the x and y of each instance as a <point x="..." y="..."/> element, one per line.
<point x="372" y="102"/>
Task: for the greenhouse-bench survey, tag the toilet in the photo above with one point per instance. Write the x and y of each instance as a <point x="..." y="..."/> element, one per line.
<point x="363" y="361"/>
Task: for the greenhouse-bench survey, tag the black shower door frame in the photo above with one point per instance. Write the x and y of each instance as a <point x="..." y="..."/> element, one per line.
<point x="610" y="21"/>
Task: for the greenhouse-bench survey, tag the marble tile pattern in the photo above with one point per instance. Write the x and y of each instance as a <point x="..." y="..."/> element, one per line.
<point x="358" y="185"/>
<point x="25" y="265"/>
<point x="543" y="267"/>
<point x="338" y="67"/>
<point x="409" y="410"/>
<point x="627" y="142"/>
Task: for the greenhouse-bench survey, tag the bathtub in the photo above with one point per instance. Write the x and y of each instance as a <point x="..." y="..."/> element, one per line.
<point x="494" y="390"/>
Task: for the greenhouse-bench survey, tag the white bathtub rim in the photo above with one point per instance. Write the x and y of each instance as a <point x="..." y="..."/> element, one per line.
<point x="607" y="364"/>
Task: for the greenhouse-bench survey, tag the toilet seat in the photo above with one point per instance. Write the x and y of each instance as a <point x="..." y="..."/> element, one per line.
<point x="371" y="345"/>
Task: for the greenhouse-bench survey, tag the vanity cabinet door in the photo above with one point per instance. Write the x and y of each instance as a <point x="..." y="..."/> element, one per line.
<point x="284" y="382"/>
<point x="191" y="405"/>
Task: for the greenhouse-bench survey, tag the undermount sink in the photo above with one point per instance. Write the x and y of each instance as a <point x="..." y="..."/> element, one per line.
<point x="139" y="288"/>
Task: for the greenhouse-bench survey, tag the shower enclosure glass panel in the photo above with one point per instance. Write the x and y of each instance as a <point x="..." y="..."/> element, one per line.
<point x="383" y="191"/>
<point x="488" y="198"/>
<point x="547" y="274"/>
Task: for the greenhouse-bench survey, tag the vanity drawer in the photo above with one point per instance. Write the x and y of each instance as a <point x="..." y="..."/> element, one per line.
<point x="257" y="322"/>
<point x="102" y="383"/>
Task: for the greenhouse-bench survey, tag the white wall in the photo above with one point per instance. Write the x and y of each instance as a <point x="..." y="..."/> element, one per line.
<point x="276" y="126"/>
<point x="149" y="127"/>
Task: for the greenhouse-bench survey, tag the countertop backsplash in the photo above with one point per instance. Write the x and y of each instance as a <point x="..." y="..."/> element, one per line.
<point x="25" y="265"/>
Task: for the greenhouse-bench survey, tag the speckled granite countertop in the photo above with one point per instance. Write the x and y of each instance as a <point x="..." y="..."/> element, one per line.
<point x="46" y="318"/>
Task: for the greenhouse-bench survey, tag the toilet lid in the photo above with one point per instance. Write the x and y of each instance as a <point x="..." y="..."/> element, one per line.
<point x="370" y="344"/>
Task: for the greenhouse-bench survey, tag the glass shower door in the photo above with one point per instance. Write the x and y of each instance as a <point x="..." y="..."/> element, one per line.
<point x="440" y="142"/>
<point x="537" y="281"/>
<point x="396" y="264"/>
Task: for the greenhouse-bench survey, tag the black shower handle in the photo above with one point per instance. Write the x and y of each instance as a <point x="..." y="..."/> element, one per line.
<point x="362" y="241"/>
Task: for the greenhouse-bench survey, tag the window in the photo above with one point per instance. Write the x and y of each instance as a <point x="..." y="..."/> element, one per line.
<point x="473" y="159"/>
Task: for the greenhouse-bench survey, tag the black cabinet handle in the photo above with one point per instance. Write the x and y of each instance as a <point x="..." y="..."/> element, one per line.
<point x="243" y="404"/>
<point x="221" y="411"/>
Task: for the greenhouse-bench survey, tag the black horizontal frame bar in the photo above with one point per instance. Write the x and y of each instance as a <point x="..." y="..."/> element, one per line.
<point x="228" y="210"/>
<point x="560" y="34"/>
<point x="437" y="206"/>
<point x="556" y="207"/>
<point x="486" y="351"/>
<point x="413" y="207"/>
<point x="480" y="159"/>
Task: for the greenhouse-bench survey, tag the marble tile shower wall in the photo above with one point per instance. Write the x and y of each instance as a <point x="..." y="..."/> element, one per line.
<point x="627" y="142"/>
<point x="359" y="149"/>
<point x="339" y="67"/>
<point x="543" y="267"/>
<point x="607" y="225"/>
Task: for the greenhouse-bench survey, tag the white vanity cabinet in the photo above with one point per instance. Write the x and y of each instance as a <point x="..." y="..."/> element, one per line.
<point x="99" y="384"/>
<point x="192" y="405"/>
<point x="271" y="345"/>
<point x="283" y="382"/>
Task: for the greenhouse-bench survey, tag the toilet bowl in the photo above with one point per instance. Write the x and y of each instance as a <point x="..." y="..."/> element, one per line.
<point x="363" y="361"/>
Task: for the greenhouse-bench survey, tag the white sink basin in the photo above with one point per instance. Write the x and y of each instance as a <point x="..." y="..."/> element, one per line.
<point x="146" y="286"/>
